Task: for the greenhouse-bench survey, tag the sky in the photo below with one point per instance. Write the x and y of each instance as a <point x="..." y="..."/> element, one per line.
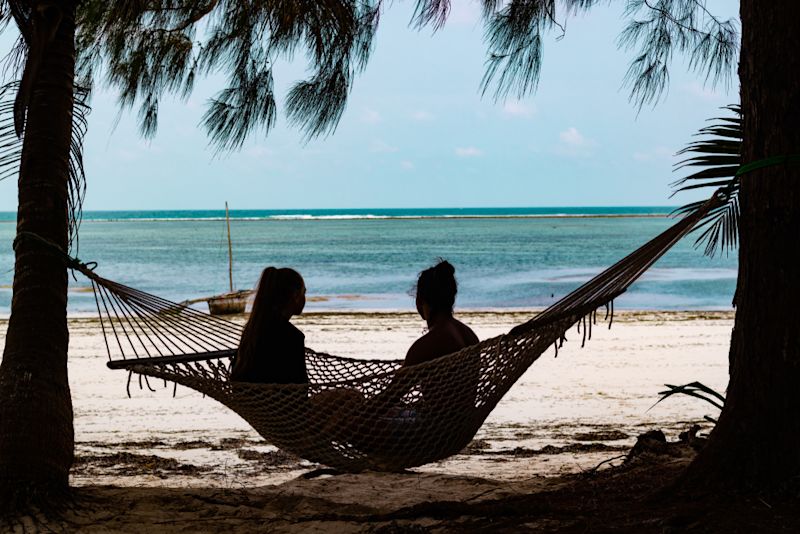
<point x="418" y="133"/>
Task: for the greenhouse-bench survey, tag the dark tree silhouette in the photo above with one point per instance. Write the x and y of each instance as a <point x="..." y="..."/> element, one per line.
<point x="754" y="445"/>
<point x="36" y="434"/>
<point x="144" y="48"/>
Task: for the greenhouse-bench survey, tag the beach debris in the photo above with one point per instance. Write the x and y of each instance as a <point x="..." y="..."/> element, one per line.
<point x="192" y="444"/>
<point x="652" y="442"/>
<point x="601" y="435"/>
<point x="691" y="437"/>
<point x="276" y="458"/>
<point x="476" y="446"/>
<point x="132" y="464"/>
<point x="235" y="443"/>
<point x="525" y="452"/>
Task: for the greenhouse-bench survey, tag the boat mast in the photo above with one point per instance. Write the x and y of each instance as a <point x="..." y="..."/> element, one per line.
<point x="230" y="248"/>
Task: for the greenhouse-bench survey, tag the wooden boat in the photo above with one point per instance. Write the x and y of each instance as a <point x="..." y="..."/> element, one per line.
<point x="228" y="303"/>
<point x="233" y="301"/>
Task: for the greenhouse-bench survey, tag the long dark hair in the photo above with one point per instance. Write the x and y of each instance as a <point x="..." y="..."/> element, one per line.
<point x="275" y="290"/>
<point x="437" y="287"/>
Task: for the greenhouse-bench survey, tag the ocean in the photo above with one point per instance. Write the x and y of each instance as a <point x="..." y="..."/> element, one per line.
<point x="367" y="259"/>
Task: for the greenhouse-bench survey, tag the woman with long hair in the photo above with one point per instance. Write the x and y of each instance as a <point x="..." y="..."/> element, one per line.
<point x="272" y="350"/>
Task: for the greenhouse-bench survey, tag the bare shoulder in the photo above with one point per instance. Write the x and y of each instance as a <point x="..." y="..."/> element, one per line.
<point x="420" y="350"/>
<point x="467" y="333"/>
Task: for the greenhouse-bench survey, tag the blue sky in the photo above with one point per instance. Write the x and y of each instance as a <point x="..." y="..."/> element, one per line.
<point x="416" y="132"/>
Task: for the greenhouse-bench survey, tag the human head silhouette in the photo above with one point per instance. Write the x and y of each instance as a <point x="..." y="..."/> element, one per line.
<point x="436" y="290"/>
<point x="281" y="293"/>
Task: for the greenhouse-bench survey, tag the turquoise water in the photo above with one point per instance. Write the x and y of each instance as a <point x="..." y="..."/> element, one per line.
<point x="368" y="259"/>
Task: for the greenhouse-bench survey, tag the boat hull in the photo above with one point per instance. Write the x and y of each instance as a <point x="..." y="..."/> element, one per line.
<point x="229" y="304"/>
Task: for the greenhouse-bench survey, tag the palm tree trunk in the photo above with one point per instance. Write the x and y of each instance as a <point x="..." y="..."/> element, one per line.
<point x="755" y="443"/>
<point x="36" y="433"/>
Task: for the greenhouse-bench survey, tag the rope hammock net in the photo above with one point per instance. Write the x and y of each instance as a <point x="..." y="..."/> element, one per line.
<point x="356" y="414"/>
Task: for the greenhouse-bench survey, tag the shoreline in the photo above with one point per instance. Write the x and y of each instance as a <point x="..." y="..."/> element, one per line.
<point x="620" y="314"/>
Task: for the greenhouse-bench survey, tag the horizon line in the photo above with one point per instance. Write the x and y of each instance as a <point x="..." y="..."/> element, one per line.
<point x="665" y="206"/>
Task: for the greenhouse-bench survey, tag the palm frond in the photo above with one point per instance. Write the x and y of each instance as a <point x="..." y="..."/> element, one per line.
<point x="10" y="143"/>
<point x="11" y="151"/>
<point x="697" y="390"/>
<point x="14" y="61"/>
<point x="77" y="173"/>
<point x="21" y="13"/>
<point x="718" y="156"/>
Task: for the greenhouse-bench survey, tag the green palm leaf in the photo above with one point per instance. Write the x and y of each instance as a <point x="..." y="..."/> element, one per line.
<point x="718" y="157"/>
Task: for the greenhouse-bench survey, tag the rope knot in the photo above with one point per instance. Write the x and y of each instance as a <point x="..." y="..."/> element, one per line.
<point x="71" y="262"/>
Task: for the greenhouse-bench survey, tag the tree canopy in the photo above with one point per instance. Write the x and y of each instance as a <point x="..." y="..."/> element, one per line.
<point x="145" y="49"/>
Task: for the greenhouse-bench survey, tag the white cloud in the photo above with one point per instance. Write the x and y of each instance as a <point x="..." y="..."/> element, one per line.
<point x="572" y="137"/>
<point x="408" y="165"/>
<point x="518" y="109"/>
<point x="574" y="143"/>
<point x="383" y="147"/>
<point x="658" y="153"/>
<point x="370" y="116"/>
<point x="422" y="115"/>
<point x="468" y="152"/>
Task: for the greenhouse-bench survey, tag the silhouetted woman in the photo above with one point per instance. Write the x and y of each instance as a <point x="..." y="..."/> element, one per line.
<point x="272" y="350"/>
<point x="436" y="295"/>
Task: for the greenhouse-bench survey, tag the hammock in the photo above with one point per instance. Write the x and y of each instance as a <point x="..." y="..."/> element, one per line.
<point x="356" y="414"/>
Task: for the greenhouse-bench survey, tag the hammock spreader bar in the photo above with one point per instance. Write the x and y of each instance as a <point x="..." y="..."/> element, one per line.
<point x="180" y="358"/>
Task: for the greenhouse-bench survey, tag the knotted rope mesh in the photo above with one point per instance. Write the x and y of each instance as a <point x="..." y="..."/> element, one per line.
<point x="356" y="414"/>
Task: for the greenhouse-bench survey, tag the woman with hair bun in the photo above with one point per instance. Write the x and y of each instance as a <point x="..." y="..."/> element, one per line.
<point x="272" y="350"/>
<point x="436" y="295"/>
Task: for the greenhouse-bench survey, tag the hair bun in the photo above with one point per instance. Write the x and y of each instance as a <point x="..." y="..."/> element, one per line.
<point x="445" y="267"/>
<point x="437" y="286"/>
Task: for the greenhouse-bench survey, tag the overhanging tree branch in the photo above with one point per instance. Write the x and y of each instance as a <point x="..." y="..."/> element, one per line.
<point x="197" y="16"/>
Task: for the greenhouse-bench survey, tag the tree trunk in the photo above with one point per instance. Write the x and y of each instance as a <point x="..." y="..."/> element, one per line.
<point x="756" y="444"/>
<point x="36" y="433"/>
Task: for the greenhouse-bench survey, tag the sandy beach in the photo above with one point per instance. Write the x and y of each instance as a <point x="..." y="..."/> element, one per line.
<point x="564" y="417"/>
